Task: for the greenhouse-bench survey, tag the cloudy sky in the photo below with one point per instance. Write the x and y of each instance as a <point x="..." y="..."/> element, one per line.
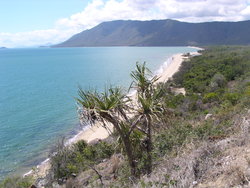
<point x="27" y="23"/>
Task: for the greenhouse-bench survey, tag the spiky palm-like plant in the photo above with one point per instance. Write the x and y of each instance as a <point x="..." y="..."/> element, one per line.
<point x="149" y="104"/>
<point x="112" y="106"/>
<point x="109" y="107"/>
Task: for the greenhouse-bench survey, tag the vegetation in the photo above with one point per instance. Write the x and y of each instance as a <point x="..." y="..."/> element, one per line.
<point x="76" y="158"/>
<point x="217" y="83"/>
<point x="16" y="182"/>
<point x="161" y="33"/>
<point x="213" y="70"/>
<point x="159" y="124"/>
<point x="149" y="106"/>
<point x="114" y="107"/>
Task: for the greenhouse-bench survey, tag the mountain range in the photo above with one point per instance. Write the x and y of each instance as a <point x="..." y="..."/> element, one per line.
<point x="161" y="33"/>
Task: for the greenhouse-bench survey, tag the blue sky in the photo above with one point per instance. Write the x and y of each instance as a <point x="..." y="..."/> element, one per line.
<point x="29" y="23"/>
<point x="27" y="15"/>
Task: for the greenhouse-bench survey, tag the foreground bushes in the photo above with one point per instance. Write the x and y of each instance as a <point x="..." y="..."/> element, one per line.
<point x="77" y="158"/>
<point x="16" y="182"/>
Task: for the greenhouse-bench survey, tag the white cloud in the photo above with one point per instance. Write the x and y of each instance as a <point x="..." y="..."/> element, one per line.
<point x="98" y="11"/>
<point x="33" y="38"/>
<point x="246" y="12"/>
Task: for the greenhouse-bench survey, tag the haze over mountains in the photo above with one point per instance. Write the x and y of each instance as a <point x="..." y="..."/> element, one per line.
<point x="162" y="33"/>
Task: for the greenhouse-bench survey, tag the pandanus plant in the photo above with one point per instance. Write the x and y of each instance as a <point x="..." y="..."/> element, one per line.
<point x="113" y="107"/>
<point x="110" y="106"/>
<point x="149" y="105"/>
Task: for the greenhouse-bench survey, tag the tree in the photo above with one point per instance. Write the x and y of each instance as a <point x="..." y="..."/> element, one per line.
<point x="110" y="107"/>
<point x="149" y="105"/>
<point x="125" y="113"/>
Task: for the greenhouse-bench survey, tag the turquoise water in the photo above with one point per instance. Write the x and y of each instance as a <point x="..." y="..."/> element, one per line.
<point x="37" y="87"/>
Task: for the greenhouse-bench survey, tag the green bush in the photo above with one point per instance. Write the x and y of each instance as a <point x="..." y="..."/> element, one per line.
<point x="213" y="69"/>
<point x="232" y="97"/>
<point x="210" y="97"/>
<point x="247" y="91"/>
<point x="218" y="81"/>
<point x="78" y="157"/>
<point x="173" y="137"/>
<point x="16" y="182"/>
<point x="172" y="101"/>
<point x="64" y="163"/>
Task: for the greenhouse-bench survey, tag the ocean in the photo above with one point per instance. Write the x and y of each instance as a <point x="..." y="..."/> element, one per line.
<point x="37" y="90"/>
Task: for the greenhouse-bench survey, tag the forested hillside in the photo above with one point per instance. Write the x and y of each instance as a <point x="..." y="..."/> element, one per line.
<point x="162" y="33"/>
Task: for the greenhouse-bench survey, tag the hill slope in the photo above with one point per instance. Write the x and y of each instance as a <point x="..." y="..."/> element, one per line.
<point x="161" y="33"/>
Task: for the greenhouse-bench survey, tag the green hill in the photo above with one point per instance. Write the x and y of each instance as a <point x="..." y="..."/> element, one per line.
<point x="162" y="33"/>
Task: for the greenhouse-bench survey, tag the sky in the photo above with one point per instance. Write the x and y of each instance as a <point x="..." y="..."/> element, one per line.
<point x="30" y="23"/>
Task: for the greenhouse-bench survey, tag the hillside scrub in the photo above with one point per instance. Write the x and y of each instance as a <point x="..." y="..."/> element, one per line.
<point x="17" y="182"/>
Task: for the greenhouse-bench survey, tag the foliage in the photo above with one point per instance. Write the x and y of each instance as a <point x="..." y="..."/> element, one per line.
<point x="16" y="182"/>
<point x="232" y="97"/>
<point x="173" y="137"/>
<point x="215" y="67"/>
<point x="172" y="101"/>
<point x="149" y="107"/>
<point x="113" y="107"/>
<point x="217" y="81"/>
<point x="210" y="97"/>
<point x="206" y="77"/>
<point x="109" y="107"/>
<point x="78" y="157"/>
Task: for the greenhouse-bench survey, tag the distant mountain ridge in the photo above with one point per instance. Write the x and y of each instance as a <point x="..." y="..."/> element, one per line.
<point x="161" y="33"/>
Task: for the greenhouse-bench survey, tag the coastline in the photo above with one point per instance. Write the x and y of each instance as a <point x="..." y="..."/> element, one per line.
<point x="96" y="132"/>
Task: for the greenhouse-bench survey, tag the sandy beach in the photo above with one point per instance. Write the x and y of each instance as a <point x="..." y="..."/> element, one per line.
<point x="171" y="68"/>
<point x="99" y="132"/>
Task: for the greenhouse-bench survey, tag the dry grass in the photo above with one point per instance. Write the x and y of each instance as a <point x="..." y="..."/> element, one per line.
<point x="221" y="164"/>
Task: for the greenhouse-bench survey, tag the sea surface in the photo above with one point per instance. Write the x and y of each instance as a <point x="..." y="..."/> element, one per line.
<point x="37" y="90"/>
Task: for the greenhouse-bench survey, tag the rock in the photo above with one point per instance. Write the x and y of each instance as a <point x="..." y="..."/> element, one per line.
<point x="208" y="116"/>
<point x="95" y="141"/>
<point x="178" y="91"/>
<point x="41" y="182"/>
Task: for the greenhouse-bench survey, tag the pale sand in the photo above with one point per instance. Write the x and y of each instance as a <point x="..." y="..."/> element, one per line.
<point x="173" y="67"/>
<point x="99" y="132"/>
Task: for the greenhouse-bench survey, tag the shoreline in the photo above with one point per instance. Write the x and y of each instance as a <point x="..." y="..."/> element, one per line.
<point x="97" y="132"/>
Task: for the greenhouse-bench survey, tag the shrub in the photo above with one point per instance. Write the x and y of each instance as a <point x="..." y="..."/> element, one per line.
<point x="232" y="97"/>
<point x="173" y="101"/>
<point x="16" y="182"/>
<point x="173" y="137"/>
<point x="210" y="97"/>
<point x="247" y="91"/>
<point x="63" y="163"/>
<point x="217" y="82"/>
<point x="77" y="158"/>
